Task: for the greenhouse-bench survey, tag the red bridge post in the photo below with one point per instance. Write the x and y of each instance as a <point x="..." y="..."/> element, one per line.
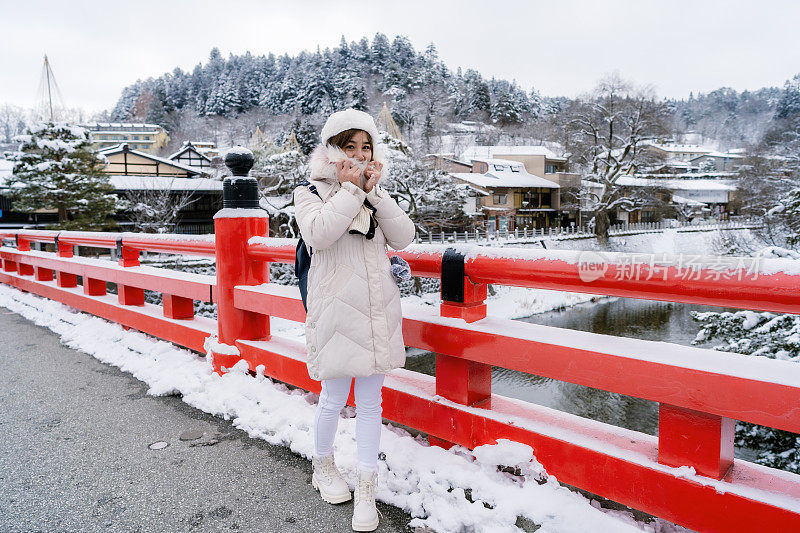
<point x="460" y="380"/>
<point x="692" y="438"/>
<point x="239" y="219"/>
<point x="24" y="245"/>
<point x="128" y="257"/>
<point x="41" y="273"/>
<point x="65" y="279"/>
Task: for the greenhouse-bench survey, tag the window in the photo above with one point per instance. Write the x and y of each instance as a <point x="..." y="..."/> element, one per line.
<point x="146" y="137"/>
<point x="550" y="168"/>
<point x="499" y="168"/>
<point x="514" y="168"/>
<point x="500" y="198"/>
<point x="536" y="198"/>
<point x="125" y="137"/>
<point x="104" y="137"/>
<point x="135" y="137"/>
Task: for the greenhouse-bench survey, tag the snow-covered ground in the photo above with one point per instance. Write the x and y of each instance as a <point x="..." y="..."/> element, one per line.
<point x="445" y="490"/>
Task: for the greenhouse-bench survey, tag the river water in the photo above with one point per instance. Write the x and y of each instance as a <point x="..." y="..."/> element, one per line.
<point x="623" y="317"/>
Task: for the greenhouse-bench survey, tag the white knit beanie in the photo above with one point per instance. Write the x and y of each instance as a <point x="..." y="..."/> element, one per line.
<point x="347" y="120"/>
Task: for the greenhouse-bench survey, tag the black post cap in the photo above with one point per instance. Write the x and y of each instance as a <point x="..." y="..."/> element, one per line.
<point x="241" y="192"/>
<point x="239" y="160"/>
<point x="452" y="276"/>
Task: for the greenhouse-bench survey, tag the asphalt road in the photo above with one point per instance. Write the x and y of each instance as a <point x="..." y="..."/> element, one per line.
<point x="75" y="455"/>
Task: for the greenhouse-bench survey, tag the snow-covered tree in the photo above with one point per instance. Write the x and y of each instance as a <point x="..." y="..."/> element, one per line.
<point x="430" y="198"/>
<point x="776" y="336"/>
<point x="307" y="135"/>
<point x="789" y="103"/>
<point x="279" y="174"/>
<point x="156" y="210"/>
<point x="56" y="170"/>
<point x="509" y="103"/>
<point x="787" y="215"/>
<point x="607" y="130"/>
<point x="126" y="103"/>
<point x="12" y="122"/>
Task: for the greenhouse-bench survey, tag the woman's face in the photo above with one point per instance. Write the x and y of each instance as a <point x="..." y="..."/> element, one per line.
<point x="359" y="147"/>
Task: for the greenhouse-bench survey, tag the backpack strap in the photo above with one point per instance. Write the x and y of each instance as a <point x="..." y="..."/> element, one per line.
<point x="312" y="188"/>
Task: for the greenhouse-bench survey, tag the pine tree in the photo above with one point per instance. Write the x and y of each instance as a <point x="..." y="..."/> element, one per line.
<point x="478" y="95"/>
<point x="380" y="53"/>
<point x="789" y="104"/>
<point x="507" y="105"/>
<point x="125" y="105"/>
<point x="306" y="134"/>
<point x="56" y="170"/>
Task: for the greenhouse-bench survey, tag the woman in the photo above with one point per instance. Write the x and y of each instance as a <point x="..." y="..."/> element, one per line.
<point x="354" y="321"/>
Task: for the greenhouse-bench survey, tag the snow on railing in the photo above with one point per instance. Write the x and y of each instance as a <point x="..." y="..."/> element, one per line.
<point x="700" y="392"/>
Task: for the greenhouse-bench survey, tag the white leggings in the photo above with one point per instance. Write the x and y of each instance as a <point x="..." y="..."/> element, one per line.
<point x="368" y="417"/>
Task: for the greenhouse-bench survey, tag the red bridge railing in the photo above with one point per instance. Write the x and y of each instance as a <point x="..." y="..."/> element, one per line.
<point x="701" y="392"/>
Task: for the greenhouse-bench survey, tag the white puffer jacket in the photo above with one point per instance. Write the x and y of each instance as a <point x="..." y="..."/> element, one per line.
<point x="354" y="321"/>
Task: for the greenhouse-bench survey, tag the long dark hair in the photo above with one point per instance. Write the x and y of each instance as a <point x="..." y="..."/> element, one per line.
<point x="341" y="140"/>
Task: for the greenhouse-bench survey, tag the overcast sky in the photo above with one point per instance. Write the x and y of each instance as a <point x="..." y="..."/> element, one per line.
<point x="560" y="47"/>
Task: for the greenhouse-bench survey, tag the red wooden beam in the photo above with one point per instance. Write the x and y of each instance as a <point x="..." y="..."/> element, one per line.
<point x="762" y="391"/>
<point x="645" y="276"/>
<point x="194" y="245"/>
<point x="146" y="318"/>
<point x="184" y="284"/>
<point x="685" y="376"/>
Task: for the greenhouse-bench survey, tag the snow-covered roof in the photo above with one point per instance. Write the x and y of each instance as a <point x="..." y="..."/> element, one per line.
<point x="499" y="162"/>
<point x="469" y="126"/>
<point x="162" y="183"/>
<point x="133" y="125"/>
<point x="677" y="163"/>
<point x="680" y="148"/>
<point x="686" y="201"/>
<point x="690" y="175"/>
<point x="204" y="145"/>
<point x="188" y="146"/>
<point x="679" y="184"/>
<point x="493" y="208"/>
<point x="504" y="173"/>
<point x="491" y="151"/>
<point x="121" y="147"/>
<point x="719" y="155"/>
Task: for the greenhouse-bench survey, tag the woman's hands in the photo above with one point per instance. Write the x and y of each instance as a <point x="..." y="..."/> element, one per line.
<point x="373" y="174"/>
<point x="347" y="171"/>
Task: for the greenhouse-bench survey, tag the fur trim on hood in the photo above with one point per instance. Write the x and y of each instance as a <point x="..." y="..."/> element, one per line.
<point x="323" y="158"/>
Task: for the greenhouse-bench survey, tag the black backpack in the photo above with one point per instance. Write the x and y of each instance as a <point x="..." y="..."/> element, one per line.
<point x="302" y="256"/>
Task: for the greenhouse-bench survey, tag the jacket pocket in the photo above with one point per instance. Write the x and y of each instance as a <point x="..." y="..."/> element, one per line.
<point x="337" y="281"/>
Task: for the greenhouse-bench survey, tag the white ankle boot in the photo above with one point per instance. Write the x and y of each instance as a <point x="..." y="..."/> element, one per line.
<point x="365" y="514"/>
<point x="328" y="480"/>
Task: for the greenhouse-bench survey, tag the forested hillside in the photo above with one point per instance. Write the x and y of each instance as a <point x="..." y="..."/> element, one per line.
<point x="224" y="99"/>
